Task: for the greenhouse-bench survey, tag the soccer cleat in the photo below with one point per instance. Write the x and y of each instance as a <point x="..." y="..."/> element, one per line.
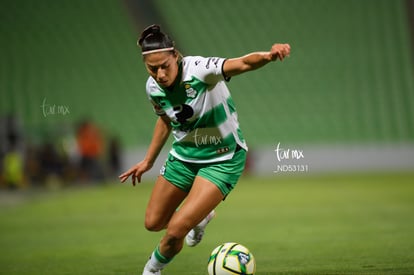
<point x="149" y="270"/>
<point x="196" y="234"/>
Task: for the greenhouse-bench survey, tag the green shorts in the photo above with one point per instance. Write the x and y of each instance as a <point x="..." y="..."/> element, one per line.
<point x="223" y="174"/>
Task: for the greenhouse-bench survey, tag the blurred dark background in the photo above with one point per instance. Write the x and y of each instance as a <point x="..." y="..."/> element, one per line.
<point x="73" y="106"/>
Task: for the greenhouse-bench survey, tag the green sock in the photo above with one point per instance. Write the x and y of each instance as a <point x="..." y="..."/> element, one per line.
<point x="161" y="258"/>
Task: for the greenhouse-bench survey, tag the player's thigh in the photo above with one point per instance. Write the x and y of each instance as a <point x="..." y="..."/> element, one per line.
<point x="201" y="200"/>
<point x="164" y="200"/>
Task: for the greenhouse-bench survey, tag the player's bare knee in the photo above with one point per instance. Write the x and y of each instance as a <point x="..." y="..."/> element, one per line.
<point x="154" y="225"/>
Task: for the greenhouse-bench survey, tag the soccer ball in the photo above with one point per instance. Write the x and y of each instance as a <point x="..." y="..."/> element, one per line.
<point x="231" y="258"/>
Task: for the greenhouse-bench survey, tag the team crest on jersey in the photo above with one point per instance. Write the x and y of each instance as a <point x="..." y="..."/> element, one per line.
<point x="191" y="93"/>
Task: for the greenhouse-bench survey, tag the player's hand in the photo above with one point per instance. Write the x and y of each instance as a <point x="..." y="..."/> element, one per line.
<point x="136" y="172"/>
<point x="279" y="51"/>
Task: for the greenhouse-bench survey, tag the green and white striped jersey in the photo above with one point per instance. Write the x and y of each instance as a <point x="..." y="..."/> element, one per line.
<point x="202" y="112"/>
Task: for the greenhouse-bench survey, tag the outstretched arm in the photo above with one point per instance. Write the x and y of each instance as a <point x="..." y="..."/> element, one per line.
<point x="161" y="132"/>
<point x="253" y="61"/>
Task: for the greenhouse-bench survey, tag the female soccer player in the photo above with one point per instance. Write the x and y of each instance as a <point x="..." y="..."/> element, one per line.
<point x="190" y="96"/>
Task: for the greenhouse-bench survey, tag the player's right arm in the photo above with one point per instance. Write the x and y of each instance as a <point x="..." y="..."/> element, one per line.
<point x="162" y="131"/>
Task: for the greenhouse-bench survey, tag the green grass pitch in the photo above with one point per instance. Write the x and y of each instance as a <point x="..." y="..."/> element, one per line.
<point x="331" y="224"/>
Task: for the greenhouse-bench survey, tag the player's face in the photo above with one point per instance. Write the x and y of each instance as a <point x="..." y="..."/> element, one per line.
<point x="162" y="67"/>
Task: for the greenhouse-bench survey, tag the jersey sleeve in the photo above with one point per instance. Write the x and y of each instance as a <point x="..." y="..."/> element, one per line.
<point x="157" y="108"/>
<point x="208" y="69"/>
<point x="151" y="88"/>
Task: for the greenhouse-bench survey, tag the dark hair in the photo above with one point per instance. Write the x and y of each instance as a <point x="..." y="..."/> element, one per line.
<point x="153" y="39"/>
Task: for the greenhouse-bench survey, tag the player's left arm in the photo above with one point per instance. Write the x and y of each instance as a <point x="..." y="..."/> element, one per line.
<point x="255" y="60"/>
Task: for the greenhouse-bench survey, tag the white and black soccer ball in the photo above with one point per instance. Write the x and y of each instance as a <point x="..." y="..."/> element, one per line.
<point x="231" y="258"/>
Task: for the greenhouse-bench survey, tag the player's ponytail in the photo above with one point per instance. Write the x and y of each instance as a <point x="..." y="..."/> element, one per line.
<point x="153" y="40"/>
